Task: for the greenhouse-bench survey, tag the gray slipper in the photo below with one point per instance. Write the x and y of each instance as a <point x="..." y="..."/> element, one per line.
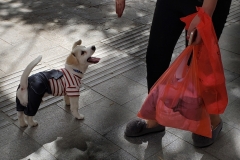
<point x="138" y="127"/>
<point x="201" y="141"/>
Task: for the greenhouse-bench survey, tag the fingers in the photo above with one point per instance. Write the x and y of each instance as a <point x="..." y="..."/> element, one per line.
<point x="196" y="40"/>
<point x="120" y="5"/>
<point x="192" y="27"/>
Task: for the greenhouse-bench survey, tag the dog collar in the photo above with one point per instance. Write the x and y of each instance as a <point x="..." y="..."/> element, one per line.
<point x="75" y="70"/>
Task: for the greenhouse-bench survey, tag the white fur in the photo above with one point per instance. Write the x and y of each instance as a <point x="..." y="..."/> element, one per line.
<point x="22" y="92"/>
<point x="79" y="56"/>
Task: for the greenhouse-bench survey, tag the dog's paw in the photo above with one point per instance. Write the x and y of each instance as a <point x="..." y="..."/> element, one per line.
<point x="33" y="124"/>
<point x="81" y="116"/>
<point x="78" y="116"/>
<point x="23" y="125"/>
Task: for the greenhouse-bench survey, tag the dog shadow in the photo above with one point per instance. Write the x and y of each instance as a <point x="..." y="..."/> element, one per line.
<point x="63" y="149"/>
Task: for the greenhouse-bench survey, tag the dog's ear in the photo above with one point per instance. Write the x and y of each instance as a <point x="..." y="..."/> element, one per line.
<point x="74" y="51"/>
<point x="79" y="42"/>
<point x="71" y="59"/>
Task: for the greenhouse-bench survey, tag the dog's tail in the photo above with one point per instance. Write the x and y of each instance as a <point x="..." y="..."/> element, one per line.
<point x="27" y="71"/>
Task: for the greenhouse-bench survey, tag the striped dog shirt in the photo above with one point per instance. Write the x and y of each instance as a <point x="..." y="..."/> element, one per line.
<point x="69" y="84"/>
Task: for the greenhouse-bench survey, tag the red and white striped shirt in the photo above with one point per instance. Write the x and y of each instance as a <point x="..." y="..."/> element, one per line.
<point x="69" y="84"/>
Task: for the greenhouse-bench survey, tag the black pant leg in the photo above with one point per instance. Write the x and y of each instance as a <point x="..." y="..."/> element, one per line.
<point x="165" y="31"/>
<point x="220" y="16"/>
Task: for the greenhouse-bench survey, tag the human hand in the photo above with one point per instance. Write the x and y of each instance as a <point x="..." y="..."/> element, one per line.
<point x="120" y="5"/>
<point x="192" y="27"/>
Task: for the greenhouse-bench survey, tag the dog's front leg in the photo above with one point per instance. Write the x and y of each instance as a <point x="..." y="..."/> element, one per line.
<point x="74" y="107"/>
<point x="67" y="101"/>
<point x="31" y="122"/>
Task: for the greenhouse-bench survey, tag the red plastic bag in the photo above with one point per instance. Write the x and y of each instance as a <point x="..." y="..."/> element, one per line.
<point x="210" y="66"/>
<point x="175" y="100"/>
<point x="186" y="94"/>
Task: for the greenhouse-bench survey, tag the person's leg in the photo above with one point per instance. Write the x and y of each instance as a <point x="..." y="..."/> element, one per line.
<point x="161" y="45"/>
<point x="165" y="31"/>
<point x="219" y="19"/>
<point x="220" y="16"/>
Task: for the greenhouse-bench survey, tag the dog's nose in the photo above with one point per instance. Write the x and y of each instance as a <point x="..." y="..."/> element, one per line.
<point x="93" y="48"/>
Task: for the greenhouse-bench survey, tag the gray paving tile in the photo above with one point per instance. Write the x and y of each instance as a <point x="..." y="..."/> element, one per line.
<point x="232" y="30"/>
<point x="131" y="13"/>
<point x="9" y="134"/>
<point x="104" y="115"/>
<point x="15" y="62"/>
<point x="121" y="155"/>
<point x="62" y="20"/>
<point x="110" y="66"/>
<point x="29" y="45"/>
<point x="229" y="43"/>
<point x="97" y="16"/>
<point x="4" y="122"/>
<point x="187" y="136"/>
<point x="143" y="5"/>
<point x="184" y="135"/>
<point x="89" y="32"/>
<point x="86" y="97"/>
<point x="133" y="42"/>
<point x="53" y="53"/>
<point x="231" y="115"/>
<point x="120" y="89"/>
<point x="40" y="154"/>
<point x="5" y="25"/>
<point x="4" y="46"/>
<point x="138" y="74"/>
<point x="144" y="20"/>
<point x="230" y="76"/>
<point x="135" y="104"/>
<point x="118" y="25"/>
<point x="1" y="73"/>
<point x="227" y="147"/>
<point x="79" y="143"/>
<point x="54" y="35"/>
<point x="141" y="147"/>
<point x="48" y="13"/>
<point x="52" y="122"/>
<point x="18" y="36"/>
<point x="233" y="90"/>
<point x="15" y="144"/>
<point x="180" y="150"/>
<point x="231" y="61"/>
<point x="96" y="3"/>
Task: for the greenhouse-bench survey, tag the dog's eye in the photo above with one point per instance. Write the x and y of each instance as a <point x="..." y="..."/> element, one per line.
<point x="82" y="53"/>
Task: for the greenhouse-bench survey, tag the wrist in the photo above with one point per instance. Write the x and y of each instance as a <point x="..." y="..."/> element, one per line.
<point x="209" y="11"/>
<point x="209" y="6"/>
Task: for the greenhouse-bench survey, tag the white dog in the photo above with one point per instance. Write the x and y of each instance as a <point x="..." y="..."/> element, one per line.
<point x="64" y="82"/>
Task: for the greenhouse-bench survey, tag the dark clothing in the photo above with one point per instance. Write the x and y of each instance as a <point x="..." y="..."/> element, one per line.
<point x="38" y="85"/>
<point x="166" y="29"/>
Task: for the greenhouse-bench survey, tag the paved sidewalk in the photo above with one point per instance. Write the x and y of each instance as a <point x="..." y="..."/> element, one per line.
<point x="113" y="90"/>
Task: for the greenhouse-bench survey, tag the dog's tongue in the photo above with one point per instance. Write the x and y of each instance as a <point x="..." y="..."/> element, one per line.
<point x="93" y="60"/>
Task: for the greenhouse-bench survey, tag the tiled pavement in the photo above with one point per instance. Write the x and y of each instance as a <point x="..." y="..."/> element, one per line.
<point x="112" y="91"/>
